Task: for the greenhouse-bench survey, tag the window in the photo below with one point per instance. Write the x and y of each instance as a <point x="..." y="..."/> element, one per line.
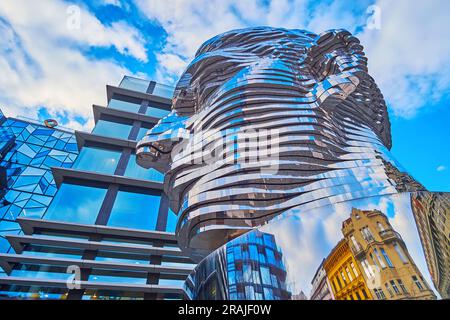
<point x="134" y="84"/>
<point x="171" y="221"/>
<point x="367" y="268"/>
<point x="116" y="279"/>
<point x="424" y="282"/>
<point x="247" y="272"/>
<point x="98" y="160"/>
<point x="142" y="132"/>
<point x="76" y="203"/>
<point x="373" y="259"/>
<point x="270" y="256"/>
<point x="417" y="282"/>
<point x="134" y="170"/>
<point x="379" y="293"/>
<point x="334" y="286"/>
<point x="400" y="253"/>
<point x="268" y="294"/>
<point x="156" y="112"/>
<point x="389" y="290"/>
<point x="355" y="243"/>
<point x="265" y="275"/>
<point x="124" y="105"/>
<point x="380" y="226"/>
<point x="387" y="258"/>
<point x="349" y="274"/>
<point x="253" y="252"/>
<point x="358" y="297"/>
<point x="343" y="278"/>
<point x="367" y="235"/>
<point x="134" y="210"/>
<point x="365" y="294"/>
<point x="163" y="91"/>
<point x="355" y="272"/>
<point x="112" y="129"/>
<point x="249" y="293"/>
<point x="402" y="286"/>
<point x="394" y="286"/>
<point x="339" y="282"/>
<point x="380" y="261"/>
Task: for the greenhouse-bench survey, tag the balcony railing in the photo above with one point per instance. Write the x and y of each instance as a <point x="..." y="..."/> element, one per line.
<point x="357" y="250"/>
<point x="389" y="235"/>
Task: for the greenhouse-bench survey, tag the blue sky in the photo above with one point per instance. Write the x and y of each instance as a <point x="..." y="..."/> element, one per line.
<point x="56" y="57"/>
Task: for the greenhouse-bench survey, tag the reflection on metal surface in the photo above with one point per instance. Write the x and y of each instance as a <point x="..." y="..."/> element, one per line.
<point x="432" y="214"/>
<point x="284" y="131"/>
<point x="332" y="132"/>
<point x="356" y="250"/>
<point x="250" y="267"/>
<point x="374" y="239"/>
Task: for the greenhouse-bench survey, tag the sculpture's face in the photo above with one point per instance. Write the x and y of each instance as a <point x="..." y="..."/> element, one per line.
<point x="302" y="104"/>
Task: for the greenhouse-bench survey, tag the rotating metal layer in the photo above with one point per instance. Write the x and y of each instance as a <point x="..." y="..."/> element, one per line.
<point x="328" y="120"/>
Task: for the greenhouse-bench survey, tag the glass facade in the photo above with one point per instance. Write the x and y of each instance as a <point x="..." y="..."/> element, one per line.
<point x="28" y="151"/>
<point x="76" y="203"/>
<point x="109" y="128"/>
<point x="134" y="210"/>
<point x="142" y="132"/>
<point x="105" y="208"/>
<point x="135" y="84"/>
<point x="156" y="112"/>
<point x="124" y="105"/>
<point x="162" y="90"/>
<point x="98" y="159"/>
<point x="134" y="170"/>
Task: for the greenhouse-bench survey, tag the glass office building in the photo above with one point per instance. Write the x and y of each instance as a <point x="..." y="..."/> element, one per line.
<point x="107" y="233"/>
<point x="28" y="151"/>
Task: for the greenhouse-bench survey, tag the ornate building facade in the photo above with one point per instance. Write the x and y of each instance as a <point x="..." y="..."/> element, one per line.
<point x="346" y="279"/>
<point x="432" y="212"/>
<point x="28" y="151"/>
<point x="381" y="252"/>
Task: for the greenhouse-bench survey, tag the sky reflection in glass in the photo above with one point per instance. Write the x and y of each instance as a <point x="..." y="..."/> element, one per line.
<point x="134" y="211"/>
<point x="80" y="209"/>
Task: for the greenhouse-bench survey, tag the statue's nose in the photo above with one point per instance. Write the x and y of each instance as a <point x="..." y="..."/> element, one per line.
<point x="154" y="149"/>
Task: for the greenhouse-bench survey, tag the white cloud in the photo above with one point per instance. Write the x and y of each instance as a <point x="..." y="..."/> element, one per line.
<point x="188" y="23"/>
<point x="409" y="56"/>
<point x="42" y="63"/>
<point x="115" y="3"/>
<point x="441" y="168"/>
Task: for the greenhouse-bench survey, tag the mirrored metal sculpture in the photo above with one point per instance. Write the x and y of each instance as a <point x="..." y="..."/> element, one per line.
<point x="270" y="126"/>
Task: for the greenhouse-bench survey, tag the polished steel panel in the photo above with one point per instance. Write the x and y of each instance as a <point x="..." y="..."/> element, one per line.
<point x="267" y="123"/>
